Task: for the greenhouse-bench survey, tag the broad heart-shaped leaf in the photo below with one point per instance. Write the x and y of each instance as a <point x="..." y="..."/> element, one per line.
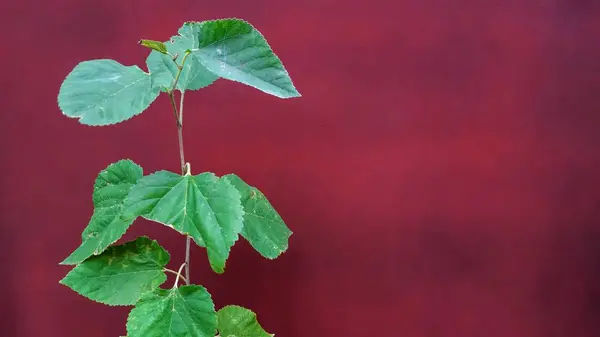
<point x="187" y="311"/>
<point x="205" y="207"/>
<point x="103" y="92"/>
<point x="107" y="224"/>
<point x="233" y="49"/>
<point x="263" y="227"/>
<point x="121" y="274"/>
<point x="235" y="321"/>
<point x="164" y="70"/>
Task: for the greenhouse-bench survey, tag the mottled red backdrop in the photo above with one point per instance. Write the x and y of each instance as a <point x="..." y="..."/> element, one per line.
<point x="440" y="172"/>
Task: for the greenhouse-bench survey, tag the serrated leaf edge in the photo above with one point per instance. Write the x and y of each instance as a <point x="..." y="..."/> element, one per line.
<point x="281" y="251"/>
<point x="240" y="307"/>
<point x="237" y="235"/>
<point x="267" y="45"/>
<point x="118" y="305"/>
<point x="178" y="292"/>
<point x="78" y="118"/>
<point x="96" y="251"/>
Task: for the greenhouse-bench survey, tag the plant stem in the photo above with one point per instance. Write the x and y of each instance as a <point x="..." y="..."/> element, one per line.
<point x="178" y="276"/>
<point x="180" y="133"/>
<point x="174" y="272"/>
<point x="179" y="120"/>
<point x="180" y="67"/>
<point x="174" y="106"/>
<point x="188" y="240"/>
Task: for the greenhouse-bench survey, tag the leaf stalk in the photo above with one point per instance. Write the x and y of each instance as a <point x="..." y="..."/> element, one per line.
<point x="179" y="275"/>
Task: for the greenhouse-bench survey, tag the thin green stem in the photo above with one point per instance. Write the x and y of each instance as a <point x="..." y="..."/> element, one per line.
<point x="180" y="70"/>
<point x="171" y="94"/>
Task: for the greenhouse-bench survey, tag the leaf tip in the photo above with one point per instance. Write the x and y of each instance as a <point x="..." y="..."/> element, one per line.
<point x="64" y="281"/>
<point x="68" y="261"/>
<point x="293" y="93"/>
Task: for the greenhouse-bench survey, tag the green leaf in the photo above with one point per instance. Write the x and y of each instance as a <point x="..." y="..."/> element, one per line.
<point x="121" y="274"/>
<point x="263" y="227"/>
<point x="194" y="75"/>
<point x="164" y="70"/>
<point x="107" y="224"/>
<point x="233" y="49"/>
<point x="205" y="207"/>
<point x="235" y="321"/>
<point x="155" y="45"/>
<point x="187" y="311"/>
<point x="103" y="92"/>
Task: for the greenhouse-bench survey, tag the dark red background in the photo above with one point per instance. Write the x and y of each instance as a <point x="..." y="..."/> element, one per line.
<point x="440" y="172"/>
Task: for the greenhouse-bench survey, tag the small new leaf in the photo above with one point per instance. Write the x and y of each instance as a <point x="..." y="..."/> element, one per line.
<point x="205" y="207"/>
<point x="263" y="226"/>
<point x="233" y="49"/>
<point x="186" y="311"/>
<point x="163" y="71"/>
<point x="121" y="274"/>
<point x="104" y="92"/>
<point x="194" y="75"/>
<point x="107" y="224"/>
<point x="163" y="68"/>
<point x="235" y="321"/>
<point x="156" y="45"/>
